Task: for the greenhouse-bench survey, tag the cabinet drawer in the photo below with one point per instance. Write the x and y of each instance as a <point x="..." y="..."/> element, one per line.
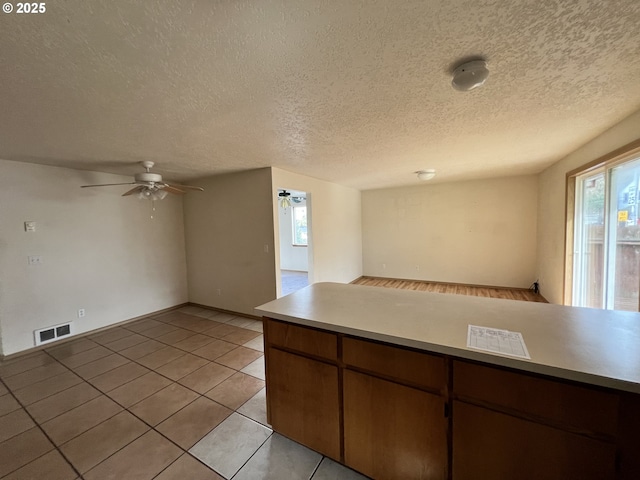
<point x="582" y="408"/>
<point x="302" y="339"/>
<point x="400" y="364"/>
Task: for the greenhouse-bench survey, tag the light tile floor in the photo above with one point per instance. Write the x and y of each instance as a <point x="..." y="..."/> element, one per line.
<point x="174" y="396"/>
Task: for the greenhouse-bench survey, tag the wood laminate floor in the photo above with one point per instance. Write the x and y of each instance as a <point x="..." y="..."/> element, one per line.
<point x="459" y="289"/>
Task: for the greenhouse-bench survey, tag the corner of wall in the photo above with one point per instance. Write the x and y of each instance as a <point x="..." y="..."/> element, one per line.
<point x="100" y="252"/>
<point x="230" y="243"/>
<point x="552" y="203"/>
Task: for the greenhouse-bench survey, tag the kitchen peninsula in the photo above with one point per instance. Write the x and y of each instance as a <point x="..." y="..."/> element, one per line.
<point x="382" y="380"/>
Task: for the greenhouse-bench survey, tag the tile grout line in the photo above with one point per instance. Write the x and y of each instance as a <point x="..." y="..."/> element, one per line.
<point x="252" y="455"/>
<point x="315" y="470"/>
<point x="170" y="379"/>
<point x="127" y="409"/>
<point x="185" y="453"/>
<point x="182" y="408"/>
<point x="44" y="380"/>
<point x="200" y="395"/>
<point x="151" y="427"/>
<point x="195" y="333"/>
<point x="37" y="425"/>
<point x="69" y="369"/>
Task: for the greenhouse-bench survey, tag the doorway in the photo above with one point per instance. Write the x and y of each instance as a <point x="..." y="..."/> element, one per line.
<point x="295" y="239"/>
<point x="606" y="265"/>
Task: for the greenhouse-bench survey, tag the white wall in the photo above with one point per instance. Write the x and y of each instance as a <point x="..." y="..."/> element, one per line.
<point x="336" y="227"/>
<point x="227" y="227"/>
<point x="101" y="252"/>
<point x="477" y="232"/>
<point x="291" y="257"/>
<point x="551" y="203"/>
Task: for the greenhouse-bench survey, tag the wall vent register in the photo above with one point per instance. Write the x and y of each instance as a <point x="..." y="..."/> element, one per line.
<point x="51" y="334"/>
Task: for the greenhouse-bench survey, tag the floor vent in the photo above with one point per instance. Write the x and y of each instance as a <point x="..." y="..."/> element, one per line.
<point x="50" y="334"/>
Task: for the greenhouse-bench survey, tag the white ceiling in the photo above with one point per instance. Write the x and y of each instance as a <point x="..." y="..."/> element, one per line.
<point x="353" y="92"/>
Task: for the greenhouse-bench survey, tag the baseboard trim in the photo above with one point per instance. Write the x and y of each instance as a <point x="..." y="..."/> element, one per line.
<point x="31" y="350"/>
<point x="222" y="310"/>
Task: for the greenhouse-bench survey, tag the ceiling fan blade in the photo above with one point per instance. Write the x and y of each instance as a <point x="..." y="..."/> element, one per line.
<point x="137" y="189"/>
<point x="108" y="184"/>
<point x="172" y="189"/>
<point x="188" y="187"/>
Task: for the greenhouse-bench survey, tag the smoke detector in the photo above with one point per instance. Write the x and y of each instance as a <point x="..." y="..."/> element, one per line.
<point x="470" y="75"/>
<point x="425" y="175"/>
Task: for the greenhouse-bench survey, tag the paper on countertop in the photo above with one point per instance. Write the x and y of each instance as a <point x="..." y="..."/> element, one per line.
<point x="494" y="340"/>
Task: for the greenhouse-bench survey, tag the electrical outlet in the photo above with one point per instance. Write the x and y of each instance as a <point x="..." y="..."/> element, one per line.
<point x="80" y="312"/>
<point x="417" y="268"/>
<point x="219" y="292"/>
<point x="35" y="259"/>
<point x="266" y="248"/>
<point x="384" y="266"/>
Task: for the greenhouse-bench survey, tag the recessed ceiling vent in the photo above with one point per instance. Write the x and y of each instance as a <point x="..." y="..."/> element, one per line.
<point x="51" y="334"/>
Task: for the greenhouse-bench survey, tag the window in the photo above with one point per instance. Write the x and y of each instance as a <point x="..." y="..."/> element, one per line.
<point x="606" y="235"/>
<point x="299" y="220"/>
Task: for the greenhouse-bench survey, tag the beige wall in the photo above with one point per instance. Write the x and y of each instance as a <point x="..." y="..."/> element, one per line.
<point x="551" y="203"/>
<point x="477" y="232"/>
<point x="335" y="227"/>
<point x="227" y="227"/>
<point x="100" y="251"/>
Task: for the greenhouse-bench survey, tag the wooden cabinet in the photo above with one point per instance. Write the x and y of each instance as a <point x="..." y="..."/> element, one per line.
<point x="393" y="431"/>
<point x="395" y="413"/>
<point x="513" y="425"/>
<point x="490" y="444"/>
<point x="303" y="401"/>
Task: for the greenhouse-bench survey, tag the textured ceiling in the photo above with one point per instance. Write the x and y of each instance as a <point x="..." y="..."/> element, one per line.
<point x="353" y="92"/>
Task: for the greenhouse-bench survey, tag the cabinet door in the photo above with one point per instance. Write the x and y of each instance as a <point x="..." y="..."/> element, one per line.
<point x="303" y="401"/>
<point x="393" y="431"/>
<point x="488" y="444"/>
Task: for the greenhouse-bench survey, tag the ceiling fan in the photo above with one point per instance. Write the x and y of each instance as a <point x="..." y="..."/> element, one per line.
<point x="150" y="185"/>
<point x="285" y="198"/>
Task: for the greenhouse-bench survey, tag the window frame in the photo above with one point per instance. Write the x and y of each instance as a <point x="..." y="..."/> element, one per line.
<point x="621" y="155"/>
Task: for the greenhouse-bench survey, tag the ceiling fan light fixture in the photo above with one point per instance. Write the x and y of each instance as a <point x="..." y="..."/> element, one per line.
<point x="285" y="202"/>
<point x="149" y="186"/>
<point x="284" y="199"/>
<point x="425" y="175"/>
<point x="470" y="75"/>
<point x="149" y="194"/>
<point x="161" y="194"/>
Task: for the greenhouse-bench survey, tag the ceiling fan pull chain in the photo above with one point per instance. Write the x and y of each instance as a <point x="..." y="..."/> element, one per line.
<point x="153" y="207"/>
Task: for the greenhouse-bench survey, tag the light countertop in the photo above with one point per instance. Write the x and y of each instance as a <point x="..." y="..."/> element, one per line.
<point x="597" y="347"/>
